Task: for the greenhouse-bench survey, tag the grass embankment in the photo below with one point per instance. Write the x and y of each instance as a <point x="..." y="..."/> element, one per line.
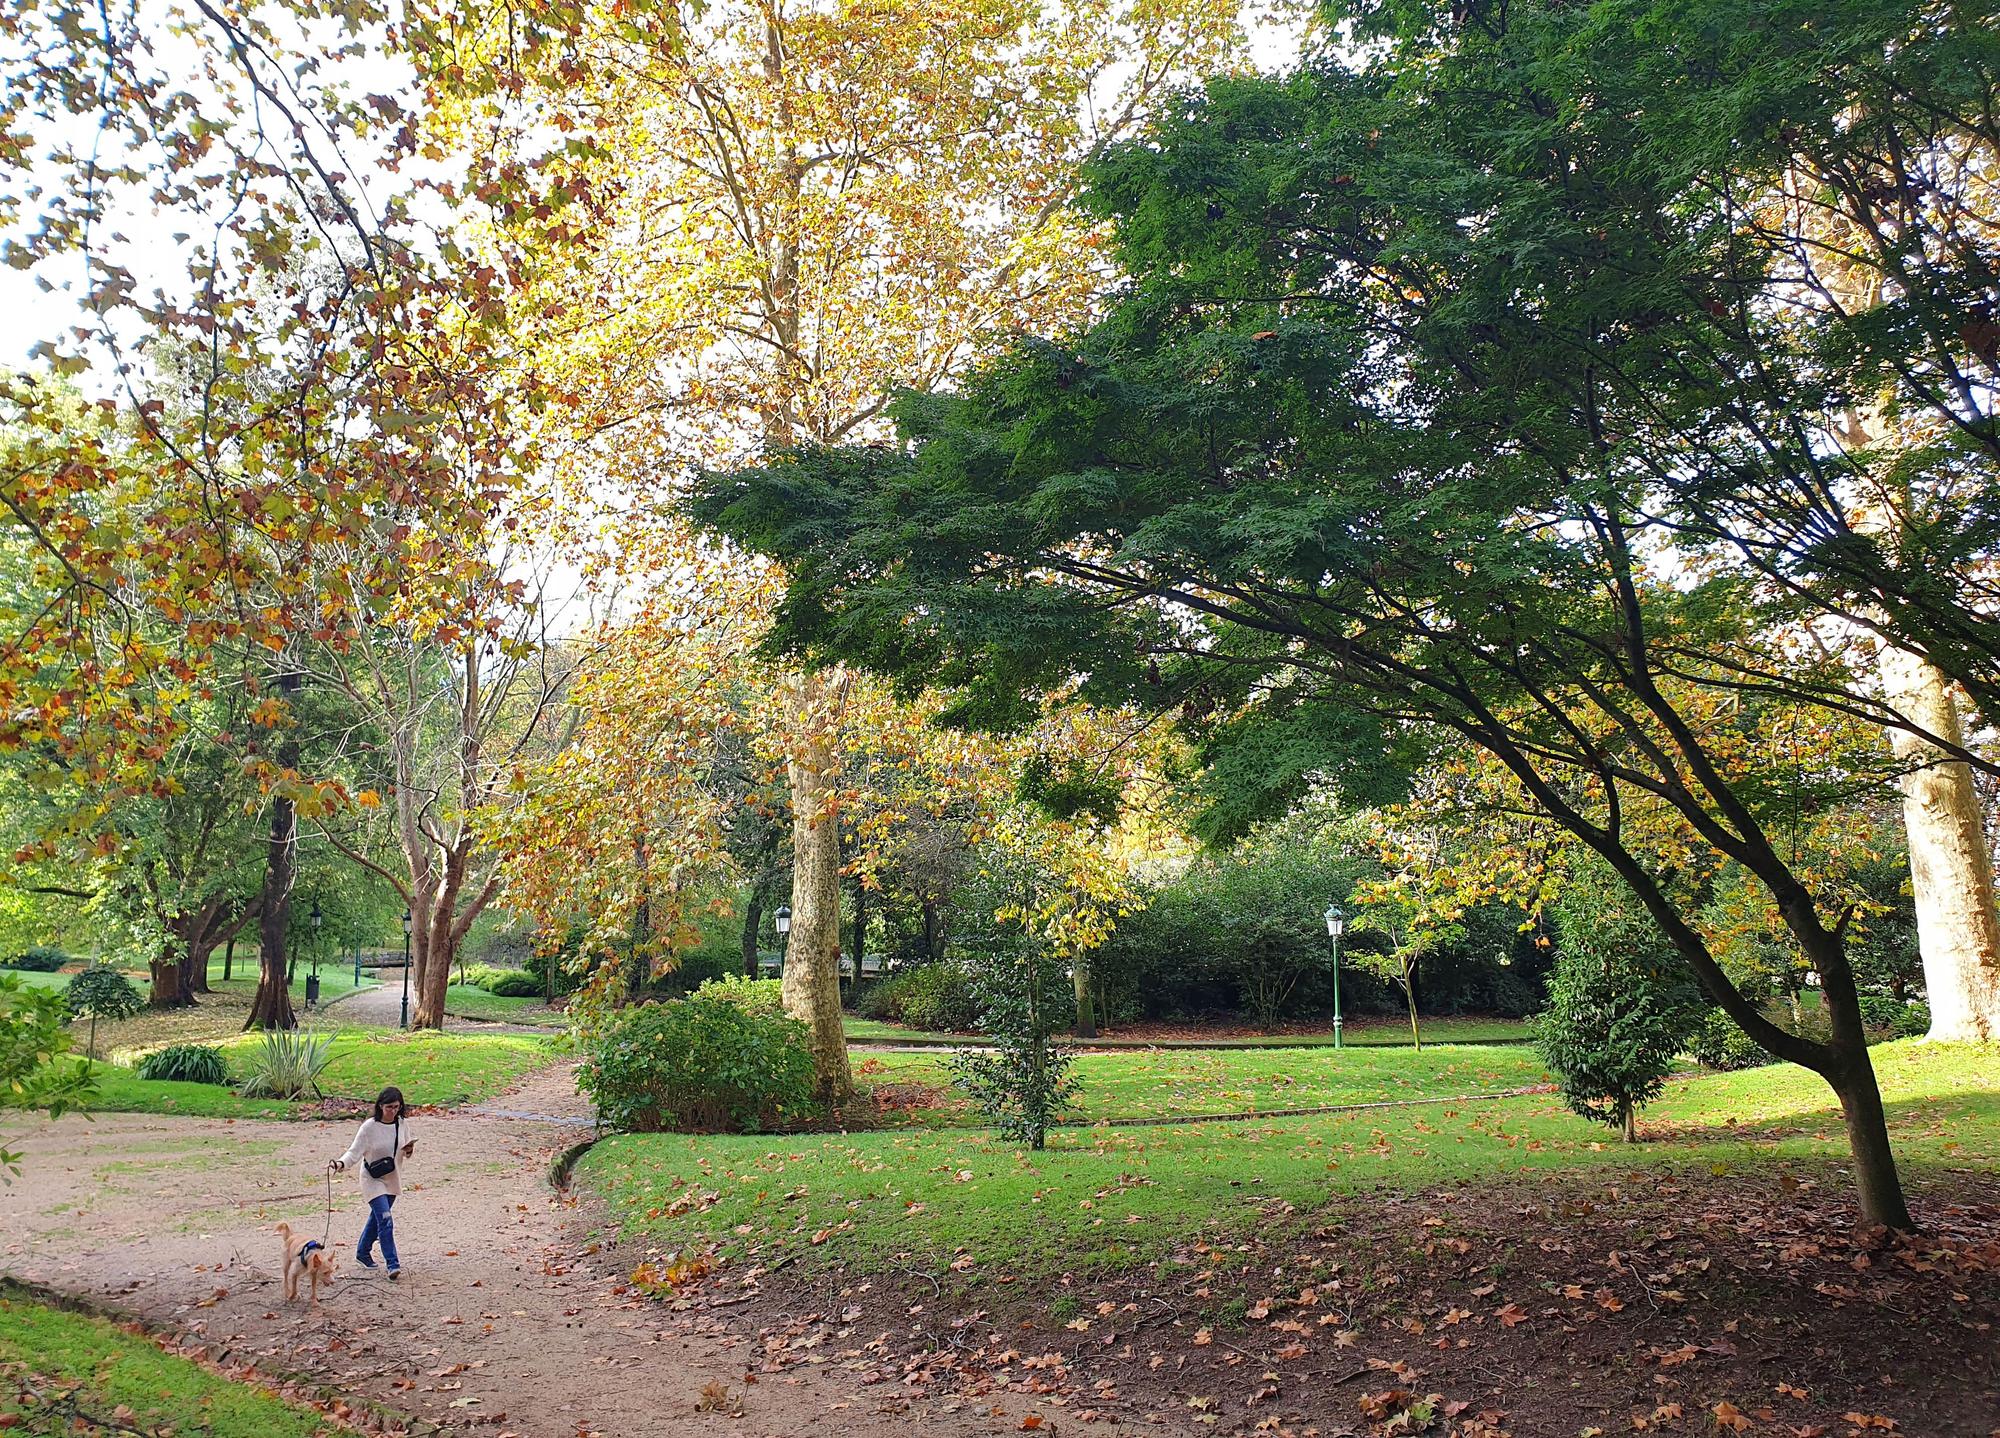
<point x="1160" y="1084"/>
<point x="430" y="1068"/>
<point x="1367" y="1033"/>
<point x="466" y="1002"/>
<point x="69" y="1373"/>
<point x="1110" y="1198"/>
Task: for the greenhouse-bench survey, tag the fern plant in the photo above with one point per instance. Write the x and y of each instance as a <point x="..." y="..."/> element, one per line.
<point x="288" y="1065"/>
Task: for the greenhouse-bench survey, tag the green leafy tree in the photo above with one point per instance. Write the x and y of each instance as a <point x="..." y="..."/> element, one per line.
<point x="101" y="992"/>
<point x="1343" y="481"/>
<point x="1023" y="1080"/>
<point x="1620" y="1007"/>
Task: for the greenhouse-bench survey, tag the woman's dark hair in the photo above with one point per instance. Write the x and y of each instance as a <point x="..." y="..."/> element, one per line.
<point x="391" y="1094"/>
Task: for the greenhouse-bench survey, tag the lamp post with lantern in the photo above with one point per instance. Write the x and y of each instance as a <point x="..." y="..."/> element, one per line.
<point x="1336" y="921"/>
<point x="406" y="968"/>
<point x="312" y="979"/>
<point x="783" y="920"/>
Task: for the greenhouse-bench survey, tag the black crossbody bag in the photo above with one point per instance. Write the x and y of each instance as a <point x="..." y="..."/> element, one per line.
<point x="383" y="1167"/>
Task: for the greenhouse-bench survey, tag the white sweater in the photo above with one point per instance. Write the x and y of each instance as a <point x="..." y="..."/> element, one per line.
<point x="375" y="1140"/>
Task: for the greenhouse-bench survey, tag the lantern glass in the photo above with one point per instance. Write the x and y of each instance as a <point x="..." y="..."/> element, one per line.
<point x="1335" y="921"/>
<point x="783" y="919"/>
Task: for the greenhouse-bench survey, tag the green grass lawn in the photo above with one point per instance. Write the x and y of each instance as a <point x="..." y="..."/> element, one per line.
<point x="1107" y="1198"/>
<point x="1176" y="1083"/>
<point x="43" y="981"/>
<point x="50" y="1352"/>
<point x="430" y="1068"/>
<point x="1368" y="1033"/>
<point x="466" y="1002"/>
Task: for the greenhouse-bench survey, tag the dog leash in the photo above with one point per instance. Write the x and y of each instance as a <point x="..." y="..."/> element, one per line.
<point x="327" y="1232"/>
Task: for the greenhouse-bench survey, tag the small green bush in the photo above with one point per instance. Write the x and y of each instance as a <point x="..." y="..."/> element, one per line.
<point x="505" y="983"/>
<point x="101" y="992"/>
<point x="1718" y="1042"/>
<point x="39" y="960"/>
<point x="763" y="997"/>
<point x="699" y="1065"/>
<point x="1891" y="1018"/>
<point x="937" y="997"/>
<point x="288" y="1064"/>
<point x="186" y="1063"/>
<point x="881" y="1001"/>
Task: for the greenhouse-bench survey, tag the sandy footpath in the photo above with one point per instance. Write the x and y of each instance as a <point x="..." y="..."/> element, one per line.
<point x="507" y="1319"/>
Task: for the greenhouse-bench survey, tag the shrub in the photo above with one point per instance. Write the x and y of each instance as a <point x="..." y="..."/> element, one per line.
<point x="699" y="1065"/>
<point x="514" y="984"/>
<point x="186" y="1063"/>
<point x="32" y="1039"/>
<point x="38" y="960"/>
<point x="882" y="1001"/>
<point x="480" y="976"/>
<point x="939" y="997"/>
<point x="1893" y="1018"/>
<point x="762" y="997"/>
<point x="1718" y="1042"/>
<point x="288" y="1064"/>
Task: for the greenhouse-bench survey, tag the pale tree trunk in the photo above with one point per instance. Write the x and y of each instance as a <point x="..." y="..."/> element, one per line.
<point x="1951" y="869"/>
<point x="812" y="957"/>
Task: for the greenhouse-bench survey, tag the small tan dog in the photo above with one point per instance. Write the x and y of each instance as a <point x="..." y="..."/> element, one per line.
<point x="307" y="1259"/>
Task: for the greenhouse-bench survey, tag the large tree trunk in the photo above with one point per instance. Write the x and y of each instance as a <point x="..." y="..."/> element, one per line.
<point x="1086" y="1013"/>
<point x="933" y="932"/>
<point x="753" y="921"/>
<point x="168" y="990"/>
<point x="194" y="963"/>
<point x="430" y="979"/>
<point x="639" y="964"/>
<point x="860" y="925"/>
<point x="812" y="957"/>
<point x="1951" y="869"/>
<point x="271" y="1007"/>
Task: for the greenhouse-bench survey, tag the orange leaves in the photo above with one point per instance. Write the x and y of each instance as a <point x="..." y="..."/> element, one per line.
<point x="1728" y="1416"/>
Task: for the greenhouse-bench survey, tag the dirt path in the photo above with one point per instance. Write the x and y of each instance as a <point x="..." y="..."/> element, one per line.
<point x="509" y="1318"/>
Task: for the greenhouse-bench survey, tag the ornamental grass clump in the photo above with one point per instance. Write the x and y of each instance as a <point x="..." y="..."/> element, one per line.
<point x="288" y="1064"/>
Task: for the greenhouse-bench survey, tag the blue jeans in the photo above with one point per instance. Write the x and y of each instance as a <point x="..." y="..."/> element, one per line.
<point x="380" y="1226"/>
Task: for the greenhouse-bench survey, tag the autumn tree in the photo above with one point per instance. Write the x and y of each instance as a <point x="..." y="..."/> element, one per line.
<point x="747" y="223"/>
<point x="297" y="372"/>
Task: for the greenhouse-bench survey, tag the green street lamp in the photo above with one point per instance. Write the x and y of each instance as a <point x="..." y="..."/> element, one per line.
<point x="312" y="979"/>
<point x="1336" y="921"/>
<point x="406" y="968"/>
<point x="783" y="919"/>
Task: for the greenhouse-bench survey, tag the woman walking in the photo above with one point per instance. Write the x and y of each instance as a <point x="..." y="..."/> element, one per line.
<point x="380" y="1149"/>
